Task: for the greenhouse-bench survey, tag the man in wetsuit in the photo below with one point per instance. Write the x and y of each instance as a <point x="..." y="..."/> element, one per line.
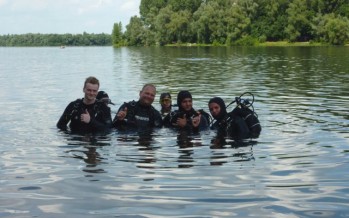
<point x="139" y="115"/>
<point x="186" y="118"/>
<point x="86" y="115"/>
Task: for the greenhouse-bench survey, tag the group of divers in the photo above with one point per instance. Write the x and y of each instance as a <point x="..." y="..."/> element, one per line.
<point x="92" y="114"/>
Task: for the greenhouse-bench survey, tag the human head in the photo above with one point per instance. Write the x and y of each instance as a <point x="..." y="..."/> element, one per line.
<point x="91" y="79"/>
<point x="217" y="108"/>
<point x="184" y="101"/>
<point x="147" y="94"/>
<point x="90" y="89"/>
<point x="165" y="100"/>
<point x="104" y="97"/>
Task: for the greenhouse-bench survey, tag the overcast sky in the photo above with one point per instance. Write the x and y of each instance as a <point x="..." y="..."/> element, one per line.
<point x="64" y="16"/>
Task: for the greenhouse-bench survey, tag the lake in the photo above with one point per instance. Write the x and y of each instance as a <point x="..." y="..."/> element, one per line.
<point x="298" y="167"/>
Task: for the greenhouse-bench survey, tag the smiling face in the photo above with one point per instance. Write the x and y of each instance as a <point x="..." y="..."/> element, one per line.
<point x="215" y="109"/>
<point x="147" y="95"/>
<point x="90" y="91"/>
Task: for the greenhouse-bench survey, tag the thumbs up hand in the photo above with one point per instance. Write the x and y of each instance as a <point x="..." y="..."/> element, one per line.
<point x="122" y="114"/>
<point x="181" y="122"/>
<point x="85" y="117"/>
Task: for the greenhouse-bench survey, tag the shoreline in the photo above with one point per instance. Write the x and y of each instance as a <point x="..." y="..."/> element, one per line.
<point x="263" y="44"/>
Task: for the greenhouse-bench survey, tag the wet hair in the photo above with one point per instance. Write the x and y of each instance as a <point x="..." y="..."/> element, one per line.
<point x="220" y="102"/>
<point x="92" y="80"/>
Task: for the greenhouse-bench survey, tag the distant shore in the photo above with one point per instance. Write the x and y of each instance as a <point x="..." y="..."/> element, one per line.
<point x="285" y="43"/>
<point x="263" y="44"/>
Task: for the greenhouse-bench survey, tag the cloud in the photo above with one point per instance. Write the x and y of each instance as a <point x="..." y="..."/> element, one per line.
<point x="130" y="6"/>
<point x="3" y="2"/>
<point x="90" y="6"/>
<point x="25" y="5"/>
<point x="66" y="16"/>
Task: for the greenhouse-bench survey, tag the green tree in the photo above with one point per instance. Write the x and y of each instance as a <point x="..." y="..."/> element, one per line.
<point x="148" y="8"/>
<point x="173" y="27"/>
<point x="209" y="23"/>
<point x="162" y="26"/>
<point x="135" y="32"/>
<point x="37" y="39"/>
<point x="270" y="20"/>
<point x="117" y="35"/>
<point x="332" y="29"/>
<point x="185" y="5"/>
<point x="329" y="6"/>
<point x="239" y="17"/>
<point x="299" y="21"/>
<point x="233" y="22"/>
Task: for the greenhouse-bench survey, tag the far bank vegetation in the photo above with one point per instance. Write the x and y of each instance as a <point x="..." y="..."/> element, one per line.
<point x="235" y="22"/>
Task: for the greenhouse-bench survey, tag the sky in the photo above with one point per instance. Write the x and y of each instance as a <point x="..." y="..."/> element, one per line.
<point x="65" y="16"/>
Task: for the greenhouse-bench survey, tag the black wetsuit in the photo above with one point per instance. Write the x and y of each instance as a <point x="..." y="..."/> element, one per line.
<point x="171" y="119"/>
<point x="138" y="116"/>
<point x="99" y="112"/>
<point x="241" y="123"/>
<point x="219" y="124"/>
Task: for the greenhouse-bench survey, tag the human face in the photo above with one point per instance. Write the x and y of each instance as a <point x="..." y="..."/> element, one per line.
<point x="166" y="102"/>
<point x="187" y="104"/>
<point x="215" y="109"/>
<point x="147" y="95"/>
<point x="90" y="91"/>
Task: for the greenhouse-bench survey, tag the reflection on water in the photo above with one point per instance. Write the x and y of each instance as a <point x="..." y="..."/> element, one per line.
<point x="84" y="147"/>
<point x="296" y="168"/>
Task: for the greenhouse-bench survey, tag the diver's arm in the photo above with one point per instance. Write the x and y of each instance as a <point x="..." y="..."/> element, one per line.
<point x="157" y="119"/>
<point x="66" y="117"/>
<point x="120" y="117"/>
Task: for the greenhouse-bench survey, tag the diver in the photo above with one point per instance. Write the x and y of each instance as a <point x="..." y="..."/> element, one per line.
<point x="86" y="115"/>
<point x="166" y="103"/>
<point x="140" y="115"/>
<point x="186" y="117"/>
<point x="240" y="123"/>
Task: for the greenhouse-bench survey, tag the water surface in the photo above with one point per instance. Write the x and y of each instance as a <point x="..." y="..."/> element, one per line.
<point x="296" y="168"/>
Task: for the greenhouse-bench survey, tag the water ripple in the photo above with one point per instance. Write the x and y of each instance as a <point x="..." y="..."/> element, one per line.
<point x="296" y="168"/>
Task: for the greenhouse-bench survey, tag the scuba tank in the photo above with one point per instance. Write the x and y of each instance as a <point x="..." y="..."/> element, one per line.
<point x="242" y="121"/>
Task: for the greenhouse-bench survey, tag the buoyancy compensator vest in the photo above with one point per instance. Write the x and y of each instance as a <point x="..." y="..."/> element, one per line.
<point x="243" y="122"/>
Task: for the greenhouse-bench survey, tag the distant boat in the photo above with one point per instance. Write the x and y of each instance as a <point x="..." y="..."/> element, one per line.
<point x="62" y="46"/>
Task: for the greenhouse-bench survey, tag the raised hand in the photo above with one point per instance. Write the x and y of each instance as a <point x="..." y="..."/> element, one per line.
<point x="181" y="122"/>
<point x="122" y="114"/>
<point x="196" y="121"/>
<point x="85" y="117"/>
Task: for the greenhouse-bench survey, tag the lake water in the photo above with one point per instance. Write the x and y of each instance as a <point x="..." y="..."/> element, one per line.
<point x="298" y="167"/>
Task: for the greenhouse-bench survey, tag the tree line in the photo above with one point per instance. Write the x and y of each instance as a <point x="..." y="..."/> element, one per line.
<point x="37" y="39"/>
<point x="235" y="22"/>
